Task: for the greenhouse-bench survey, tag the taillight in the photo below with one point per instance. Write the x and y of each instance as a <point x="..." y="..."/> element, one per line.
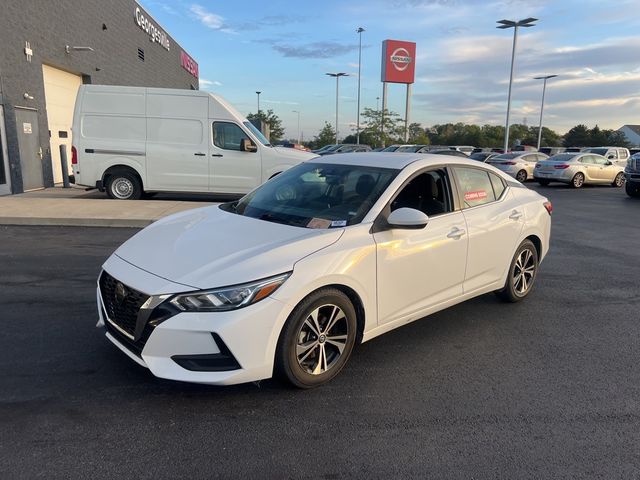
<point x="561" y="166"/>
<point x="74" y="156"/>
<point x="548" y="207"/>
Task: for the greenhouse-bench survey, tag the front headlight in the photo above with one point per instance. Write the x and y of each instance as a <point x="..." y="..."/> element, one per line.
<point x="228" y="298"/>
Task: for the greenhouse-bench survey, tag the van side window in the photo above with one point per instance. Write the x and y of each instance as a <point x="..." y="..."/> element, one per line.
<point x="228" y="135"/>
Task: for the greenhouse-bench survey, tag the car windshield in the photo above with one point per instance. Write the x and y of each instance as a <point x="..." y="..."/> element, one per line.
<point x="478" y="156"/>
<point x="257" y="133"/>
<point x="316" y="195"/>
<point x="562" y="157"/>
<point x="506" y="156"/>
<point x="599" y="151"/>
<point x="391" y="148"/>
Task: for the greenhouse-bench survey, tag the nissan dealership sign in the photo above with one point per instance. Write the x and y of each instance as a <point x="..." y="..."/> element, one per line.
<point x="156" y="34"/>
<point x="398" y="61"/>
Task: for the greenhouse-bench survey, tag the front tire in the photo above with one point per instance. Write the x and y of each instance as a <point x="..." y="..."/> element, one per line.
<point x="543" y="182"/>
<point x="521" y="176"/>
<point x="618" y="181"/>
<point x="578" y="180"/>
<point x="632" y="189"/>
<point x="124" y="185"/>
<point x="317" y="339"/>
<point x="522" y="273"/>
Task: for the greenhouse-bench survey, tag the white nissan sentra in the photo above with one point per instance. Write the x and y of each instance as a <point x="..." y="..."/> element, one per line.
<point x="331" y="253"/>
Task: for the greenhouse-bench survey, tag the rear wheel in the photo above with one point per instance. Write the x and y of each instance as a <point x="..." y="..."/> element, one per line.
<point x="618" y="181"/>
<point x="578" y="180"/>
<point x="124" y="185"/>
<point x="632" y="189"/>
<point x="543" y="182"/>
<point x="317" y="339"/>
<point x="521" y="176"/>
<point x="522" y="273"/>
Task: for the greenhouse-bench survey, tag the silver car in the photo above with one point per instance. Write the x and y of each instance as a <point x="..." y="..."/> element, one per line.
<point x="576" y="169"/>
<point x="519" y="165"/>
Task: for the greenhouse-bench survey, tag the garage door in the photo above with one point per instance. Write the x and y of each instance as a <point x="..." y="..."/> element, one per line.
<point x="60" y="89"/>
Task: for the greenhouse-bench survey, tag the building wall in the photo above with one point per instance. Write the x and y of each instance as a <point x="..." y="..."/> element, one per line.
<point x="108" y="26"/>
<point x="632" y="137"/>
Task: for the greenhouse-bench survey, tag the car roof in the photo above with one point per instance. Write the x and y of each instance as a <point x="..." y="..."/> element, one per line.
<point x="392" y="160"/>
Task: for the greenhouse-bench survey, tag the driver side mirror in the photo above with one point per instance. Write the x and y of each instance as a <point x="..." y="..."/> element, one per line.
<point x="610" y="156"/>
<point x="247" y="145"/>
<point x="609" y="162"/>
<point x="408" y="218"/>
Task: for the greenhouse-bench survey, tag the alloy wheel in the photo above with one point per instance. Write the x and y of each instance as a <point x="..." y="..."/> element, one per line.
<point x="619" y="180"/>
<point x="322" y="339"/>
<point x="521" y="176"/>
<point x="578" y="180"/>
<point x="524" y="272"/>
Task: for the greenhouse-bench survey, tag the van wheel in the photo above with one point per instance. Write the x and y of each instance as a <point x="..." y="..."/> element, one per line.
<point x="124" y="185"/>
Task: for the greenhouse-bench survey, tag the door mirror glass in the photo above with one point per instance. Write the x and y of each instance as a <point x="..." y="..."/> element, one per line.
<point x="608" y="162"/>
<point x="246" y="145"/>
<point x="407" y="218"/>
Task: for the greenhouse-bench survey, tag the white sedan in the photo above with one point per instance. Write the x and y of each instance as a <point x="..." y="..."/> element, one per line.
<point x="331" y="253"/>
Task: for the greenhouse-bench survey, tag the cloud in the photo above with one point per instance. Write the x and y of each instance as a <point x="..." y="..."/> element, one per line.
<point x="206" y="84"/>
<point x="209" y="19"/>
<point x="314" y="50"/>
<point x="280" y="102"/>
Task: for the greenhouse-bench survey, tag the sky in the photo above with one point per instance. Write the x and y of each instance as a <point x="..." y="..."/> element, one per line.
<point x="284" y="48"/>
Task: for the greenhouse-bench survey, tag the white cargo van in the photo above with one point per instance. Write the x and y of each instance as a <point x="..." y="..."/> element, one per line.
<point x="132" y="140"/>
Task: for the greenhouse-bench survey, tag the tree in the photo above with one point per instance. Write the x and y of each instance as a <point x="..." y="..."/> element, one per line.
<point x="371" y="123"/>
<point x="275" y="124"/>
<point x="578" y="136"/>
<point x="326" y="136"/>
<point x="617" y="138"/>
<point x="418" y="135"/>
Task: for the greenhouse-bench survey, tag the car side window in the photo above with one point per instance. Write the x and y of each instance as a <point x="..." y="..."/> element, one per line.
<point x="497" y="184"/>
<point x="428" y="192"/>
<point x="599" y="160"/>
<point x="622" y="154"/>
<point x="587" y="159"/>
<point x="227" y="135"/>
<point x="529" y="158"/>
<point x="475" y="185"/>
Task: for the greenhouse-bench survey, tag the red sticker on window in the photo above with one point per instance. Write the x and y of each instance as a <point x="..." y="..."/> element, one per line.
<point x="477" y="195"/>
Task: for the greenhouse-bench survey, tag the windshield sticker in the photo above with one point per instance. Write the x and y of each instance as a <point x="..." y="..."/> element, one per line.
<point x="319" y="223"/>
<point x="476" y="195"/>
<point x="339" y="223"/>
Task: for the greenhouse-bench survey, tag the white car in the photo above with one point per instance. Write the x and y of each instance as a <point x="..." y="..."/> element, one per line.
<point x="519" y="165"/>
<point x="331" y="253"/>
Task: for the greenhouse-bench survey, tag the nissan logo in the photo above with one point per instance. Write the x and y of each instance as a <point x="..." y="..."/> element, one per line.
<point x="120" y="294"/>
<point x="400" y="59"/>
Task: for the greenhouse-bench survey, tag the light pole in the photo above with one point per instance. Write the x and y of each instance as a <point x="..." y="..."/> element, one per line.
<point x="258" y="93"/>
<point x="527" y="22"/>
<point x="337" y="75"/>
<point x="359" y="32"/>
<point x="544" y="88"/>
<point x="298" y="112"/>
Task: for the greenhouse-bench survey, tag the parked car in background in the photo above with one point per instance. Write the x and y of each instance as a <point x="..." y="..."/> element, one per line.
<point x="391" y="148"/>
<point x="574" y="149"/>
<point x="524" y="148"/>
<point x="632" y="176"/>
<point x="579" y="168"/>
<point x="331" y="253"/>
<point x="135" y="140"/>
<point x="323" y="149"/>
<point x="633" y="151"/>
<point x="466" y="149"/>
<point x="519" y="165"/>
<point x="483" y="156"/>
<point x="617" y="155"/>
<point x="550" y="151"/>
<point x="346" y="148"/>
<point x="446" y="151"/>
<point x="410" y="148"/>
<point x="297" y="146"/>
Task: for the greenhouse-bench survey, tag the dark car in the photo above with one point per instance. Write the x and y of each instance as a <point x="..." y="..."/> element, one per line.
<point x="632" y="176"/>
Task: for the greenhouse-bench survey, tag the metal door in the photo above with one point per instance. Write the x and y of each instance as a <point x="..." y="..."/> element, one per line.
<point x="30" y="152"/>
<point x="5" y="183"/>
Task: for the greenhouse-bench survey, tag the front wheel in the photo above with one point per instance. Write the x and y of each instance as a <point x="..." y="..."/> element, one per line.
<point x="124" y="185"/>
<point x="522" y="273"/>
<point x="618" y="181"/>
<point x="521" y="176"/>
<point x="632" y="189"/>
<point x="317" y="339"/>
<point x="578" y="180"/>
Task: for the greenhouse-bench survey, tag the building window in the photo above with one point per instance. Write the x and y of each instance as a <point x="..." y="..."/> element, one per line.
<point x="141" y="54"/>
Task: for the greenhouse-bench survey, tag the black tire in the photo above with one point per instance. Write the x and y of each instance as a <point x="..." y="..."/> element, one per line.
<point x="521" y="176"/>
<point x="618" y="182"/>
<point x="578" y="180"/>
<point x="124" y="185"/>
<point x="544" y="182"/>
<point x="297" y="332"/>
<point x="512" y="290"/>
<point x="632" y="189"/>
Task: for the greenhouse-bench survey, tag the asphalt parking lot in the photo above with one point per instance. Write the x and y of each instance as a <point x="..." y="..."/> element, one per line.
<point x="547" y="388"/>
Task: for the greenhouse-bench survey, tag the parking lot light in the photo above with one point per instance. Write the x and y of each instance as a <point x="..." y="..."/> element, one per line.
<point x="544" y="88"/>
<point x="337" y="76"/>
<point x="504" y="24"/>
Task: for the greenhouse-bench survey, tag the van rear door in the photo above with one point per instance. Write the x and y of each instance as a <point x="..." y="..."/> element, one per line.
<point x="177" y="143"/>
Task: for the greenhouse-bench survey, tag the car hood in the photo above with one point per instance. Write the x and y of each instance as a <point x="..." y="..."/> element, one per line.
<point x="294" y="154"/>
<point x="208" y="247"/>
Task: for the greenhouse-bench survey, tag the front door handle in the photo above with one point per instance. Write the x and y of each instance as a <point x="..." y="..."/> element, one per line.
<point x="515" y="215"/>
<point x="456" y="233"/>
<point x="199" y="154"/>
<point x="216" y="155"/>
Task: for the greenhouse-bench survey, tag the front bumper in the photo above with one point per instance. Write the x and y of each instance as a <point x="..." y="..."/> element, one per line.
<point x="218" y="348"/>
<point x="632" y="177"/>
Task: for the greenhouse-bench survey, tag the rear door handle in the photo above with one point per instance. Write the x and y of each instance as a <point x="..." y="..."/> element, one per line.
<point x="216" y="155"/>
<point x="199" y="154"/>
<point x="515" y="215"/>
<point x="456" y="233"/>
